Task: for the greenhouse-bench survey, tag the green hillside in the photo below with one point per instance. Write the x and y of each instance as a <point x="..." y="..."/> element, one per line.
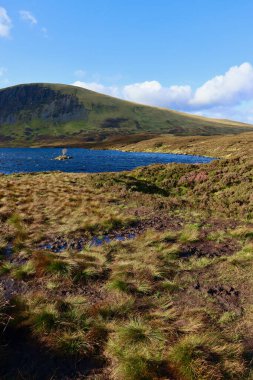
<point x="54" y="114"/>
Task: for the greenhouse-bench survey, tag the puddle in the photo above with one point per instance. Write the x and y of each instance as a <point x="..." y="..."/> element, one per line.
<point x="107" y="239"/>
<point x="8" y="251"/>
<point x="61" y="245"/>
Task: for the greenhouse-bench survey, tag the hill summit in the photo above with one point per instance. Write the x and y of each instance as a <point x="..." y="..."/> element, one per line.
<point x="55" y="114"/>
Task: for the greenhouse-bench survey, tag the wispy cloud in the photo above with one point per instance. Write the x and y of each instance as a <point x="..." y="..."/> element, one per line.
<point x="27" y="16"/>
<point x="3" y="71"/>
<point x="80" y="73"/>
<point x="44" y="32"/>
<point x="229" y="95"/>
<point x="5" y="23"/>
<point x="4" y="81"/>
<point x="98" y="87"/>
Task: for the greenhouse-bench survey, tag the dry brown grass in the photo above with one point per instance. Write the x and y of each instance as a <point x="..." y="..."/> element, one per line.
<point x="212" y="146"/>
<point x="172" y="303"/>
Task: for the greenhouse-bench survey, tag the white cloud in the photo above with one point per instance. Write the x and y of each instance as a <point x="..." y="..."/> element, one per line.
<point x="152" y="92"/>
<point x="232" y="87"/>
<point x="225" y="96"/>
<point x="5" y="23"/>
<point x="146" y="93"/>
<point x="28" y="17"/>
<point x="98" y="87"/>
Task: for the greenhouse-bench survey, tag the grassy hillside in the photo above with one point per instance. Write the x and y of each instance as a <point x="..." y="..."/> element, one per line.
<point x="50" y="114"/>
<point x="212" y="146"/>
<point x="174" y="301"/>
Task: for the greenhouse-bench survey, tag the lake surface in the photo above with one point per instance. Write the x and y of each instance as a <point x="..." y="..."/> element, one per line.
<point x="24" y="160"/>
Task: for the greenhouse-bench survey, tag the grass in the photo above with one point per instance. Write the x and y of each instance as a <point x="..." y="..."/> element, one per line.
<point x="3" y="315"/>
<point x="202" y="357"/>
<point x="173" y="302"/>
<point x="73" y="344"/>
<point x="228" y="146"/>
<point x="136" y="351"/>
<point x="189" y="234"/>
<point x="5" y="268"/>
<point x="24" y="271"/>
<point x="138" y="332"/>
<point x="95" y="119"/>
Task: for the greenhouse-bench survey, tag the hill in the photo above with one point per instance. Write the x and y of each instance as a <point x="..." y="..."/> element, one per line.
<point x="54" y="114"/>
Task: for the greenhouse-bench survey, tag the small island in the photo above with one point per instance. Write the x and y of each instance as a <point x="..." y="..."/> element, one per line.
<point x="63" y="156"/>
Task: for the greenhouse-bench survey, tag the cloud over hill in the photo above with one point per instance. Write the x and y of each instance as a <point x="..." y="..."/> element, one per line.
<point x="226" y="95"/>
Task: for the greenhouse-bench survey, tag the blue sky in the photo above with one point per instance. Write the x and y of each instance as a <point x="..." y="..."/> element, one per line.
<point x="191" y="55"/>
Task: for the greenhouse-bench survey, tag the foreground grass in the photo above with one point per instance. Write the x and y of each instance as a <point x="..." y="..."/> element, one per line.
<point x="174" y="302"/>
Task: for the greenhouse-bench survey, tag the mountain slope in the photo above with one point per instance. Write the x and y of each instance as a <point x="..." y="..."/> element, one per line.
<point x="54" y="114"/>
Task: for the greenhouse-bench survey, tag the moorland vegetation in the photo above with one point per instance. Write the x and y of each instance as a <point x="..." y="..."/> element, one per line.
<point x="171" y="301"/>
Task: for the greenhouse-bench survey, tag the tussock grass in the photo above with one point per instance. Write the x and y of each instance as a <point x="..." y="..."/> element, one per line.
<point x="43" y="321"/>
<point x="243" y="257"/>
<point x="117" y="306"/>
<point x="173" y="302"/>
<point x="203" y="357"/>
<point x="25" y="271"/>
<point x="135" y="350"/>
<point x="190" y="234"/>
<point x="6" y="267"/>
<point x="71" y="343"/>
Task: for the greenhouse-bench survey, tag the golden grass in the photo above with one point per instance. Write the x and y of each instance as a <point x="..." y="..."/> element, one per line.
<point x="174" y="302"/>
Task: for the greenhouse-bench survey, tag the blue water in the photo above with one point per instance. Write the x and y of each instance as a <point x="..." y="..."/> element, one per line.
<point x="19" y="160"/>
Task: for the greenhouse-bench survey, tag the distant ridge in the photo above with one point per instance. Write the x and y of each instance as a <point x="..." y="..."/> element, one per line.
<point x="56" y="114"/>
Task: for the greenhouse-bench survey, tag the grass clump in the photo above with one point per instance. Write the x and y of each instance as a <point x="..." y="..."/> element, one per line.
<point x="228" y="317"/>
<point x="171" y="286"/>
<point x="20" y="231"/>
<point x="45" y="320"/>
<point x="189" y="234"/>
<point x="25" y="271"/>
<point x="139" y="332"/>
<point x="118" y="284"/>
<point x="243" y="257"/>
<point x="244" y="233"/>
<point x="136" y="351"/>
<point x="5" y="267"/>
<point x="171" y="253"/>
<point x="75" y="343"/>
<point x="206" y="357"/>
<point x="58" y="267"/>
<point x="116" y="306"/>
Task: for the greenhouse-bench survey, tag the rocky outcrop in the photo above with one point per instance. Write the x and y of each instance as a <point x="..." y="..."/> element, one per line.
<point x="22" y="104"/>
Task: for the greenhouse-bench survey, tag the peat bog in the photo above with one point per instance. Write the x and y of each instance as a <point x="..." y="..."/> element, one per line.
<point x="173" y="302"/>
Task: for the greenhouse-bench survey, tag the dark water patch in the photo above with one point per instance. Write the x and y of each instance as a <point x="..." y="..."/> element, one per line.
<point x="25" y="160"/>
<point x="97" y="241"/>
<point x="8" y="251"/>
<point x="78" y="244"/>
